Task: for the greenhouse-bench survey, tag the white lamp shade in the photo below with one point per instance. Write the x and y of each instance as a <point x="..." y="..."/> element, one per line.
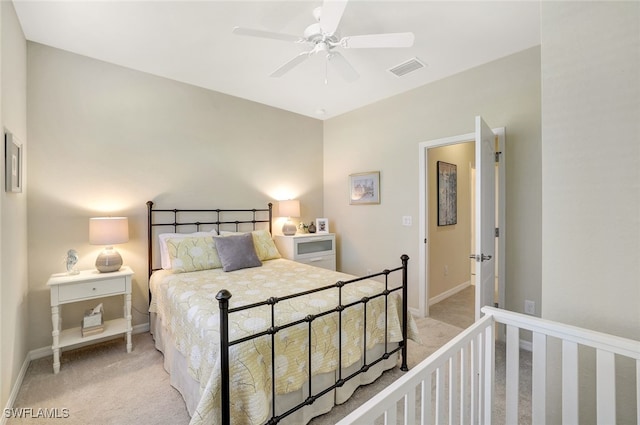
<point x="289" y="208"/>
<point x="108" y="230"/>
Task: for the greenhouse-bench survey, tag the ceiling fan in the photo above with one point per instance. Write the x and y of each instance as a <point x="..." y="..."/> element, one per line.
<point x="323" y="37"/>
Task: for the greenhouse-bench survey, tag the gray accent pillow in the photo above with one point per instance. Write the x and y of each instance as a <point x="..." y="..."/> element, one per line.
<point x="237" y="252"/>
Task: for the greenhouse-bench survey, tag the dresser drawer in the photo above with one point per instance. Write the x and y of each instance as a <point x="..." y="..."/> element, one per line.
<point x="91" y="289"/>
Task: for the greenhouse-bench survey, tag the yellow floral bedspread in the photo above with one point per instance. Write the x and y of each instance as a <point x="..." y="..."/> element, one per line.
<point x="189" y="310"/>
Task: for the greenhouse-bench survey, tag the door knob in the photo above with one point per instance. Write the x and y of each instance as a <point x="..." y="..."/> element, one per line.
<point x="480" y="258"/>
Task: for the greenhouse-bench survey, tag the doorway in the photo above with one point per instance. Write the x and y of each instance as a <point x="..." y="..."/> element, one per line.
<point x="425" y="202"/>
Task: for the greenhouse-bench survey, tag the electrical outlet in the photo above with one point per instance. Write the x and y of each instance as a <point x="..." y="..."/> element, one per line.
<point x="446" y="270"/>
<point x="529" y="307"/>
<point x="406" y="220"/>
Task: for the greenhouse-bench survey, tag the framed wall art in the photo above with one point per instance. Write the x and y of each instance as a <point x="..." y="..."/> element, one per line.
<point x="364" y="188"/>
<point x="13" y="163"/>
<point x="447" y="194"/>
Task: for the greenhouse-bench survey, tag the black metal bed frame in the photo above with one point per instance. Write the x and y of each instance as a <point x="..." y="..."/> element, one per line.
<point x="224" y="296"/>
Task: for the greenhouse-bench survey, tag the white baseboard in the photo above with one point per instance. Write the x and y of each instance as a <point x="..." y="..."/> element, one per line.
<point x="16" y="387"/>
<point x="450" y="292"/>
<point x="39" y="353"/>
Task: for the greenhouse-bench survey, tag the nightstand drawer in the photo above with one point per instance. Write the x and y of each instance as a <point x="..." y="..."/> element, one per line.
<point x="326" y="262"/>
<point x="91" y="289"/>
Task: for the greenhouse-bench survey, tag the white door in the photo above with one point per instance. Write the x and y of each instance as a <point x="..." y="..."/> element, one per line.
<point x="485" y="215"/>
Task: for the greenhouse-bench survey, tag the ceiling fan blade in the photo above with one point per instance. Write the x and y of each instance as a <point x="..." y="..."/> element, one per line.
<point x="265" y="34"/>
<point x="297" y="60"/>
<point x="343" y="67"/>
<point x="400" y="39"/>
<point x="332" y="11"/>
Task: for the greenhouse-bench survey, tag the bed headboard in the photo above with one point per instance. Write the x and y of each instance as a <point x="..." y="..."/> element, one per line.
<point x="193" y="220"/>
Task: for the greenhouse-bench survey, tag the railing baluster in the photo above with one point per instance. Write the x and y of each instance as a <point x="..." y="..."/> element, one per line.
<point x="481" y="376"/>
<point x="425" y="398"/>
<point x="489" y="349"/>
<point x="473" y="418"/>
<point x="410" y="408"/>
<point x="605" y="387"/>
<point x="539" y="379"/>
<point x="391" y="416"/>
<point x="453" y="387"/>
<point x="440" y="396"/>
<point x="569" y="382"/>
<point x="464" y="382"/>
<point x="512" y="374"/>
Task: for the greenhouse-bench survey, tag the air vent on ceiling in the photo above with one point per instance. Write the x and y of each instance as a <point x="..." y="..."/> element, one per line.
<point x="404" y="68"/>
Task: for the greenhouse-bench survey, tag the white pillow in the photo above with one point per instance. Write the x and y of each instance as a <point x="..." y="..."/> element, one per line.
<point x="165" y="259"/>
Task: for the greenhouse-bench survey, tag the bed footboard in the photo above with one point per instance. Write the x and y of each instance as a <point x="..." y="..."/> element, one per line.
<point x="224" y="296"/>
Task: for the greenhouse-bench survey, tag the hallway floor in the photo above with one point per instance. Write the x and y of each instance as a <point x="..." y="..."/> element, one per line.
<point x="457" y="310"/>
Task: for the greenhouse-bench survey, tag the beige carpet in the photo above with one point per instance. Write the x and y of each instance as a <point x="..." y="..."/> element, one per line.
<point x="102" y="384"/>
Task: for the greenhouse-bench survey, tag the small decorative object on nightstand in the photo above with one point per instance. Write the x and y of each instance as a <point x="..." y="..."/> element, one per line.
<point x="88" y="285"/>
<point x="316" y="250"/>
<point x="71" y="260"/>
<point x="108" y="231"/>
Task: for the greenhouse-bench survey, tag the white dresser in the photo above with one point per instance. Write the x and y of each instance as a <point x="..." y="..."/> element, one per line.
<point x="316" y="249"/>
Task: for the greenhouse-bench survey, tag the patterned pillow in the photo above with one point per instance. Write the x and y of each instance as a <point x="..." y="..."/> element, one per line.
<point x="265" y="248"/>
<point x="164" y="237"/>
<point x="193" y="254"/>
<point x="237" y="252"/>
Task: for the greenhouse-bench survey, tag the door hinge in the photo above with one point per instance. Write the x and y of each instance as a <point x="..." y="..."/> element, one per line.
<point x="498" y="156"/>
<point x="497" y="232"/>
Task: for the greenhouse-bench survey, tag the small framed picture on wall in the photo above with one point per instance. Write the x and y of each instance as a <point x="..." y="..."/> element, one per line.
<point x="364" y="188"/>
<point x="13" y="163"/>
<point x="322" y="225"/>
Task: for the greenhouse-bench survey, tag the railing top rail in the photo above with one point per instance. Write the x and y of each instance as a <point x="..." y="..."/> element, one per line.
<point x="614" y="344"/>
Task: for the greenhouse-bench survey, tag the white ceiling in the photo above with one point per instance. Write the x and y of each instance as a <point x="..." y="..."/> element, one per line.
<point x="191" y="42"/>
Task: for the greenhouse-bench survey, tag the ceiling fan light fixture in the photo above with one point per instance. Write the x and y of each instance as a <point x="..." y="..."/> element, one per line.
<point x="406" y="67"/>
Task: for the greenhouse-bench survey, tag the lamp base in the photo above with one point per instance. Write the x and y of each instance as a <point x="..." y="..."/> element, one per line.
<point x="289" y="229"/>
<point x="108" y="261"/>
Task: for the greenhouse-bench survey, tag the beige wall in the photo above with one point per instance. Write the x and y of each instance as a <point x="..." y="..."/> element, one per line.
<point x="385" y="136"/>
<point x="105" y="139"/>
<point x="450" y="246"/>
<point x="591" y="164"/>
<point x="13" y="206"/>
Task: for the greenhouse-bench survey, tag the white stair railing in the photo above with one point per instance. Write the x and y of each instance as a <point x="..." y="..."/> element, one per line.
<point x="456" y="383"/>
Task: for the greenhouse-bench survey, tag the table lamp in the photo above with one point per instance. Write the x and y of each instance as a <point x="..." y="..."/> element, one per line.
<point x="289" y="208"/>
<point x="108" y="231"/>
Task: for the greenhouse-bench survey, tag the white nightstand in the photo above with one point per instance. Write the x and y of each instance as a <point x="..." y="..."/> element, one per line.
<point x="316" y="249"/>
<point x="87" y="285"/>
